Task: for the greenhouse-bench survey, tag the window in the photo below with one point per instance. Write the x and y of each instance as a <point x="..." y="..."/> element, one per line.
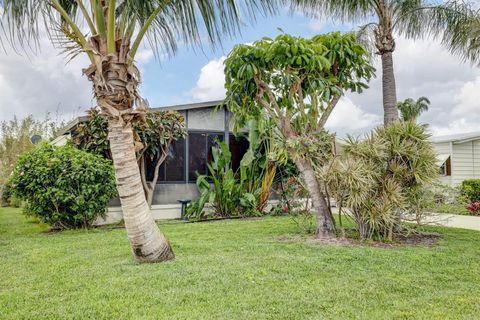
<point x="173" y="168"/>
<point x="174" y="164"/>
<point x="446" y="168"/>
<point x="238" y="147"/>
<point x="200" y="152"/>
<point x="200" y="146"/>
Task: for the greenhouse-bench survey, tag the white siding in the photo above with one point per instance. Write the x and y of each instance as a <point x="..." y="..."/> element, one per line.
<point x="442" y="148"/>
<point x="462" y="162"/>
<point x="476" y="159"/>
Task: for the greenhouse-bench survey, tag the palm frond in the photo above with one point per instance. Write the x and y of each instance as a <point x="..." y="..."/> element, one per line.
<point x="192" y="22"/>
<point x="345" y="10"/>
<point x="457" y="23"/>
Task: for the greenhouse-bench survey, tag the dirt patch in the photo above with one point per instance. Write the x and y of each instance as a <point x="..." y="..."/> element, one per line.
<point x="417" y="239"/>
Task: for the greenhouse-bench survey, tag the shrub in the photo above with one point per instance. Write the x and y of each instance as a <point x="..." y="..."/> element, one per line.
<point x="443" y="198"/>
<point x="382" y="176"/>
<point x="63" y="186"/>
<point x="471" y="189"/>
<point x="474" y="208"/>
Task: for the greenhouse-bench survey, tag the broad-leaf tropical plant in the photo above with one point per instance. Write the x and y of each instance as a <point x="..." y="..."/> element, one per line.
<point x="110" y="33"/>
<point x="383" y="20"/>
<point x="410" y="109"/>
<point x="297" y="83"/>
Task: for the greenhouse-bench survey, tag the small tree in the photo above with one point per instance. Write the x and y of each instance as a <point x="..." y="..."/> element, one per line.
<point x="153" y="138"/>
<point x="410" y="109"/>
<point x="297" y="83"/>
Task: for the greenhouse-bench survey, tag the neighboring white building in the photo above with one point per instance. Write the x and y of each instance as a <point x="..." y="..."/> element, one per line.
<point x="458" y="156"/>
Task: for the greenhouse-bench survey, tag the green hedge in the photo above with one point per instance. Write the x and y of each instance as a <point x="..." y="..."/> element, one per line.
<point x="63" y="186"/>
<point x="471" y="189"/>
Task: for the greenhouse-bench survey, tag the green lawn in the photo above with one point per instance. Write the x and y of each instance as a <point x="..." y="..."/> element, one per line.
<point x="231" y="270"/>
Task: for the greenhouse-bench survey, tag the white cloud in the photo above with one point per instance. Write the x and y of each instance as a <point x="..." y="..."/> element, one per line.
<point x="425" y="68"/>
<point x="42" y="82"/>
<point x="461" y="125"/>
<point x="316" y="25"/>
<point x="350" y="118"/>
<point x="468" y="99"/>
<point x="144" y="56"/>
<point x="211" y="82"/>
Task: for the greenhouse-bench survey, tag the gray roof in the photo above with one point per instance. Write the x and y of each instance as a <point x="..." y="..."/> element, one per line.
<point x="180" y="107"/>
<point x="190" y="106"/>
<point x="459" y="137"/>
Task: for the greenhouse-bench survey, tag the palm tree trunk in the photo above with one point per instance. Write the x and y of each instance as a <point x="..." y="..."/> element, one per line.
<point x="115" y="84"/>
<point x="389" y="89"/>
<point x="325" y="226"/>
<point x="148" y="243"/>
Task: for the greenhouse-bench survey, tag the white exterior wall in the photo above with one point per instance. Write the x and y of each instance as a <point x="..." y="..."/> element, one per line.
<point x="476" y="158"/>
<point x="465" y="160"/>
<point x="462" y="162"/>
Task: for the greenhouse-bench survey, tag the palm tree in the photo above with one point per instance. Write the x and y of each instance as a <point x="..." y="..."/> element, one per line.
<point x="386" y="19"/>
<point x="410" y="109"/>
<point x="109" y="33"/>
<point x="462" y="36"/>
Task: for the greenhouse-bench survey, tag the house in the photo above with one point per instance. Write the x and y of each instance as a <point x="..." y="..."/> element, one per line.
<point x="458" y="157"/>
<point x="205" y="122"/>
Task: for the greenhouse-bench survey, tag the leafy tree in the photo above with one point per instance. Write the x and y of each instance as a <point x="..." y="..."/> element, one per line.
<point x="15" y="139"/>
<point x="297" y="83"/>
<point x="410" y="109"/>
<point x="116" y="29"/>
<point x="153" y="138"/>
<point x="386" y="19"/>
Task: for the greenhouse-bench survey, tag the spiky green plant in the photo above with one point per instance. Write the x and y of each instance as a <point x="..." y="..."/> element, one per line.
<point x="377" y="178"/>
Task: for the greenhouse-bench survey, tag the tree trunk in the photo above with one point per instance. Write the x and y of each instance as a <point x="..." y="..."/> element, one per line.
<point x="115" y="83"/>
<point x="325" y="226"/>
<point x="148" y="243"/>
<point x="389" y="89"/>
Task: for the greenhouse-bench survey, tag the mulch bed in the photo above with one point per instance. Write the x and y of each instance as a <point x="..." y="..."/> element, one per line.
<point x="413" y="239"/>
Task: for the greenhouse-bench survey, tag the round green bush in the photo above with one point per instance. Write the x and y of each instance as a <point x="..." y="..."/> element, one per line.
<point x="63" y="186"/>
<point x="471" y="189"/>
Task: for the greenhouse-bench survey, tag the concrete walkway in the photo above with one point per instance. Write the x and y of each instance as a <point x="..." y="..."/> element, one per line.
<point x="453" y="220"/>
<point x="449" y="220"/>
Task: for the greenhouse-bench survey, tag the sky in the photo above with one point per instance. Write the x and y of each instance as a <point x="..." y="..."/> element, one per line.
<point x="40" y="83"/>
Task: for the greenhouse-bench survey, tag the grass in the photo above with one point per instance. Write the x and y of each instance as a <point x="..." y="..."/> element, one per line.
<point x="453" y="208"/>
<point x="231" y="270"/>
